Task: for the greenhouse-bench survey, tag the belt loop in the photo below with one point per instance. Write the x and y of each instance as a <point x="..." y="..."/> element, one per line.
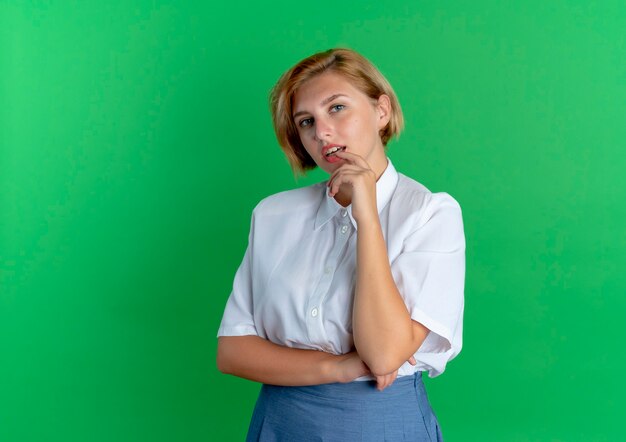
<point x="417" y="378"/>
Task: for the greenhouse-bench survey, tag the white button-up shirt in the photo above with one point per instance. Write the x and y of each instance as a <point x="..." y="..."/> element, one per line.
<point x="295" y="286"/>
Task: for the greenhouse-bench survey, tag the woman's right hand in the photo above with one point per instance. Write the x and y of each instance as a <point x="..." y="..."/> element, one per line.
<point x="385" y="381"/>
<point x="349" y="366"/>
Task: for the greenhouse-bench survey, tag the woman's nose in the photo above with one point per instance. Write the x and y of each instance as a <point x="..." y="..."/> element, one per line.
<point x="323" y="129"/>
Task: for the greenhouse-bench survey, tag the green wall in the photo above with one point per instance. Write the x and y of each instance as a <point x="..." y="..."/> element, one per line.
<point x="135" y="140"/>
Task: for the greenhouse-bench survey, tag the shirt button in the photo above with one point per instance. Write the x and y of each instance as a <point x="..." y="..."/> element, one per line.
<point x="328" y="269"/>
<point x="344" y="229"/>
<point x="314" y="312"/>
<point x="344" y="213"/>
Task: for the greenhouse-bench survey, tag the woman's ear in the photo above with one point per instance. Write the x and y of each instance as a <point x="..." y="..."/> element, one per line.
<point x="384" y="111"/>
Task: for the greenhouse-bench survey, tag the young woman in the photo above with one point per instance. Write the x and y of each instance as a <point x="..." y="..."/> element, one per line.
<point x="351" y="288"/>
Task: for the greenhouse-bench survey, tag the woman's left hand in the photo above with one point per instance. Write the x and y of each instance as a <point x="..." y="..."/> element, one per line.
<point x="356" y="180"/>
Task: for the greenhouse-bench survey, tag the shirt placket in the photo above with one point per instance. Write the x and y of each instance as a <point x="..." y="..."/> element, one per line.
<point x="315" y="304"/>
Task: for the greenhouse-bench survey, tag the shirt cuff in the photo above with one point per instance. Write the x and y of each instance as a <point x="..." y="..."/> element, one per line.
<point x="237" y="330"/>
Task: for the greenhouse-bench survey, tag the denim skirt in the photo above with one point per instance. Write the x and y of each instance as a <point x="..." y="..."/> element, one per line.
<point x="355" y="411"/>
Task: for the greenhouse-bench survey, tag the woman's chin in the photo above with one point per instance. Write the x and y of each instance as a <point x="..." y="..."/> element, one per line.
<point x="329" y="166"/>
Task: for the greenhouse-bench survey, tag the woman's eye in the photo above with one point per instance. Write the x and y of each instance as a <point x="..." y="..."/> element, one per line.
<point x="336" y="107"/>
<point x="306" y="122"/>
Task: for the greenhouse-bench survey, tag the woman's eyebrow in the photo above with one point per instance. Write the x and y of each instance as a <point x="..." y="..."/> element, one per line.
<point x="331" y="98"/>
<point x="323" y="103"/>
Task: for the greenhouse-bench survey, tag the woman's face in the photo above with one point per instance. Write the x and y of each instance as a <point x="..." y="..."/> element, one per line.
<point x="332" y="115"/>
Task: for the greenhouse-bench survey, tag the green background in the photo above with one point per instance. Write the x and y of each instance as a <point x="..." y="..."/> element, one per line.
<point x="135" y="140"/>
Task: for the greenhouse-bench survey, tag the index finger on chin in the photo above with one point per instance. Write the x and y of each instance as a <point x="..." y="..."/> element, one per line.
<point x="353" y="158"/>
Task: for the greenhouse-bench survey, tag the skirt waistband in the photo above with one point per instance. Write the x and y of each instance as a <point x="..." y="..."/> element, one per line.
<point x="345" y="412"/>
<point x="356" y="390"/>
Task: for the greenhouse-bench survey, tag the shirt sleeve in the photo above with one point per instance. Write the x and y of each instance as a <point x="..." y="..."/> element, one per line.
<point x="430" y="275"/>
<point x="238" y="319"/>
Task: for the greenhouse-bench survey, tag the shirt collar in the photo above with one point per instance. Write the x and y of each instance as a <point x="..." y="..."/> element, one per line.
<point x="385" y="187"/>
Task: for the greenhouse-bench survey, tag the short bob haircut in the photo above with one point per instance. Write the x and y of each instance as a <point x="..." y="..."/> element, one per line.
<point x="361" y="73"/>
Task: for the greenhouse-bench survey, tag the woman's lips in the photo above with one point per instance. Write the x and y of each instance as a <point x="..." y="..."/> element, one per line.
<point x="329" y="151"/>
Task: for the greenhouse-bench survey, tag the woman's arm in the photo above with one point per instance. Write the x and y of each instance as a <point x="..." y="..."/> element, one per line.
<point x="260" y="360"/>
<point x="384" y="334"/>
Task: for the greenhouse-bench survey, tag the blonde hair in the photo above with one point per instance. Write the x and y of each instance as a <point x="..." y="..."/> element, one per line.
<point x="361" y="73"/>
